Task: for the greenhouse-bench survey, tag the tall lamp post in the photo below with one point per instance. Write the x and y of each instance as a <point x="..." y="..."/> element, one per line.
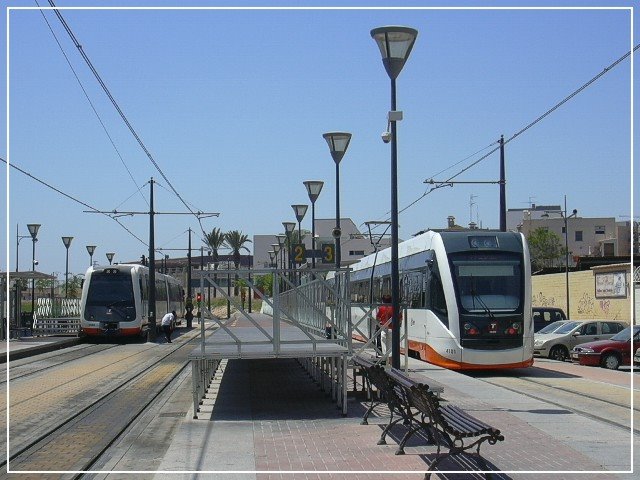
<point x="314" y="187"/>
<point x="395" y="44"/>
<point x="67" y="243"/>
<point x="565" y="217"/>
<point x="566" y="249"/>
<point x="289" y="227"/>
<point x="33" y="230"/>
<point x="281" y="247"/>
<point x="300" y="211"/>
<point x="90" y="250"/>
<point x="338" y="143"/>
<point x="110" y="256"/>
<point x="18" y="238"/>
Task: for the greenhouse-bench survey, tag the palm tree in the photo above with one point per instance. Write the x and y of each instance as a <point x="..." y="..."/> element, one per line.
<point x="235" y="241"/>
<point x="215" y="239"/>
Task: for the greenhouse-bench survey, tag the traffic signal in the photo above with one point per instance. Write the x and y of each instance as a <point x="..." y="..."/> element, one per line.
<point x="198" y="297"/>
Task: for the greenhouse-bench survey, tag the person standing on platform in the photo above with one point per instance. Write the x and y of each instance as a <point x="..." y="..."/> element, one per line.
<point x="385" y="319"/>
<point x="168" y="321"/>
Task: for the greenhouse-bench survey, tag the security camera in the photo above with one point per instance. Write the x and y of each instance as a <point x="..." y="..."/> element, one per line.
<point x="386" y="137"/>
<point x="35" y="262"/>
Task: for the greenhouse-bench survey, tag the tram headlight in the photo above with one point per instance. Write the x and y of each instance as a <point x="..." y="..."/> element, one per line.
<point x="471" y="329"/>
<point x="514" y="329"/>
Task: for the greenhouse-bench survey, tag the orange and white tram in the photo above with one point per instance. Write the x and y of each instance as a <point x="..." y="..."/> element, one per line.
<point x="115" y="300"/>
<point x="467" y="297"/>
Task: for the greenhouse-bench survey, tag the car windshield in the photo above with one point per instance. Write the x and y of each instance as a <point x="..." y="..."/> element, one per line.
<point x="552" y="327"/>
<point x="567" y="327"/>
<point x="625" y="335"/>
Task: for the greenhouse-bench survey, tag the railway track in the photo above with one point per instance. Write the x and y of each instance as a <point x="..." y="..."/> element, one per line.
<point x="602" y="402"/>
<point x="31" y="366"/>
<point x="75" y="441"/>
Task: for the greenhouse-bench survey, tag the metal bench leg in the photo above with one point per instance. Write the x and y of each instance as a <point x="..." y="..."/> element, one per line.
<point x="392" y="422"/>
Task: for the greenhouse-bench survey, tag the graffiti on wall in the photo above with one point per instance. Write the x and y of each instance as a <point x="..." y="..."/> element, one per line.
<point x="540" y="300"/>
<point x="586" y="305"/>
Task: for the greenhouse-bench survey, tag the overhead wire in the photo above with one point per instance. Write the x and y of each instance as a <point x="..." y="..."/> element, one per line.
<point x="95" y="111"/>
<point x="70" y="197"/>
<point x="118" y="109"/>
<point x="524" y="129"/>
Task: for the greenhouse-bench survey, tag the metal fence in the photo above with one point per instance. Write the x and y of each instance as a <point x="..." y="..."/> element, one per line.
<point x="57" y="316"/>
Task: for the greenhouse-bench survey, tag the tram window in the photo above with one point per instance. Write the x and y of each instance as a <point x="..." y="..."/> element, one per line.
<point x="413" y="289"/>
<point x="434" y="294"/>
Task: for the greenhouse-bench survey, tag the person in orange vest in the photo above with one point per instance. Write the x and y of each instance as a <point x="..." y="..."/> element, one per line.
<point x="385" y="318"/>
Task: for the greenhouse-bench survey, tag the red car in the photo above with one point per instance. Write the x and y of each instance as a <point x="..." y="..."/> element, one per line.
<point x="612" y="353"/>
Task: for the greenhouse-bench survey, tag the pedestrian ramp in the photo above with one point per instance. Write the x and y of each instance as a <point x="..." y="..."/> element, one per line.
<point x="309" y="320"/>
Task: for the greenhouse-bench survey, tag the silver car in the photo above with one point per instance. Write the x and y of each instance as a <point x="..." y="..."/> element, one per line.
<point x="558" y="344"/>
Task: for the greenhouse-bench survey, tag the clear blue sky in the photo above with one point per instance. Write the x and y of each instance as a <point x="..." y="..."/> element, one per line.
<point x="233" y="105"/>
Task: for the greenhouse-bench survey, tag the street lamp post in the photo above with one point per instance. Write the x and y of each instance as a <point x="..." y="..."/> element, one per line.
<point x="33" y="230"/>
<point x="67" y="243"/>
<point x="281" y="250"/>
<point x="289" y="227"/>
<point x="338" y="143"/>
<point x="90" y="250"/>
<point x="110" y="256"/>
<point x="18" y="238"/>
<point x="281" y="247"/>
<point x="566" y="249"/>
<point x="314" y="187"/>
<point x="395" y="44"/>
<point x="300" y="211"/>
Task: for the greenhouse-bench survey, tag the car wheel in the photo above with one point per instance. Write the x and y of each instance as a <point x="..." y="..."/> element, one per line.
<point x="611" y="361"/>
<point x="559" y="353"/>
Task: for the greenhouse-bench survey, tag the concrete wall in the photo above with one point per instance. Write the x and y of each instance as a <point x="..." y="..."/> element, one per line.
<point x="550" y="290"/>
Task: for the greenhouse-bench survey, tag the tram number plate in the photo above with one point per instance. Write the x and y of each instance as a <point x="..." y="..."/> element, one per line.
<point x="451" y="351"/>
<point x="493" y="327"/>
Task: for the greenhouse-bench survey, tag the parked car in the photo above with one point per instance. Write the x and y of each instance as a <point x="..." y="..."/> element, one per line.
<point x="636" y="358"/>
<point x="558" y="344"/>
<point x="553" y="326"/>
<point x="609" y="353"/>
<point x="543" y="316"/>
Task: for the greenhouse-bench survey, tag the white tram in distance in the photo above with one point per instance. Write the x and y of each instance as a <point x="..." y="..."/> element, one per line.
<point x="115" y="300"/>
<point x="467" y="296"/>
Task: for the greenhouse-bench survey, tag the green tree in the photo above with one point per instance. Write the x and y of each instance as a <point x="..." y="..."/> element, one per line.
<point x="545" y="248"/>
<point x="74" y="286"/>
<point x="216" y="240"/>
<point x="265" y="283"/>
<point x="236" y="240"/>
<point x="44" y="286"/>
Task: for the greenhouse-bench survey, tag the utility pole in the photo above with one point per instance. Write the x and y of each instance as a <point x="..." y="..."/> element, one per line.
<point x="503" y="193"/>
<point x="152" y="269"/>
<point x="152" y="272"/>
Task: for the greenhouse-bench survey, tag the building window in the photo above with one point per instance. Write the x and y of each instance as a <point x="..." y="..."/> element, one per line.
<point x="600" y="229"/>
<point x="563" y="229"/>
<point x="578" y="235"/>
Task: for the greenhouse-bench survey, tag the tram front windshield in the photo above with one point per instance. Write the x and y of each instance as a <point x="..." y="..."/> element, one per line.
<point x="488" y="282"/>
<point x="113" y="291"/>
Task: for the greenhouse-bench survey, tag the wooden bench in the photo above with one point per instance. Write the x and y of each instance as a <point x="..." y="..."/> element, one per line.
<point x="390" y="392"/>
<point x="445" y="425"/>
<point x="449" y="425"/>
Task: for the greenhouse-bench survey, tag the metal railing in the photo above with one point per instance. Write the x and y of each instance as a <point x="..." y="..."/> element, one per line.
<point x="320" y="307"/>
<point x="57" y="307"/>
